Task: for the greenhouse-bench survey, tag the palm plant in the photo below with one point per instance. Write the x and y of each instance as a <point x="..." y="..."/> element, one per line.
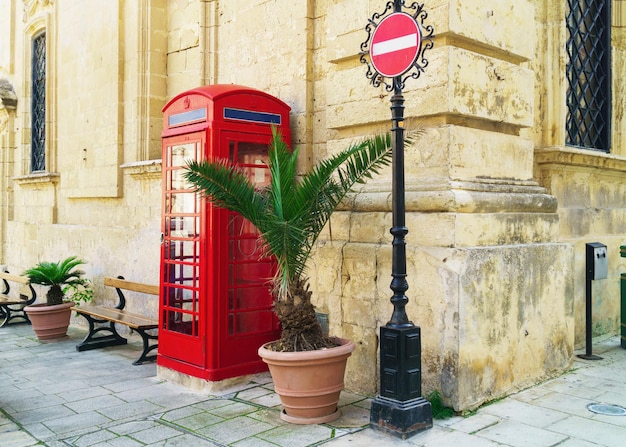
<point x="290" y="214"/>
<point x="59" y="274"/>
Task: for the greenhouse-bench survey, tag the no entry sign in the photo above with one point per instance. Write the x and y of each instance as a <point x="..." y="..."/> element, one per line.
<point x="395" y="44"/>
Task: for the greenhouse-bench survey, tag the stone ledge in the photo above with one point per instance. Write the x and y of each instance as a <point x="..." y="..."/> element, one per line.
<point x="587" y="158"/>
<point x="38" y="178"/>
<point x="493" y="196"/>
<point x="149" y="169"/>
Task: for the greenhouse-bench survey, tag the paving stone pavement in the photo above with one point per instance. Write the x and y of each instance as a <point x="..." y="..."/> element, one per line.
<point x="51" y="395"/>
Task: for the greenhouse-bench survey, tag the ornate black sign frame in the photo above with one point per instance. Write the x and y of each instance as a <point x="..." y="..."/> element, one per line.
<point x="420" y="15"/>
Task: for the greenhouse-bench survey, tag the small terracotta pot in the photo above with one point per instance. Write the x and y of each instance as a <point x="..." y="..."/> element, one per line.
<point x="50" y="322"/>
<point x="309" y="382"/>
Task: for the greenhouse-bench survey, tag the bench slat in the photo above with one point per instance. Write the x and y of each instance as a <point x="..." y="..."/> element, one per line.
<point x="14" y="278"/>
<point x="131" y="320"/>
<point x="9" y="300"/>
<point x="130" y="285"/>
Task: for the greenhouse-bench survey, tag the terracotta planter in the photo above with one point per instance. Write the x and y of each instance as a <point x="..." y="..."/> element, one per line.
<point x="309" y="383"/>
<point x="50" y="322"/>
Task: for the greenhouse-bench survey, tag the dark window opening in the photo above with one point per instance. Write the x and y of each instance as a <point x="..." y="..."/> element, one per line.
<point x="589" y="74"/>
<point x="38" y="105"/>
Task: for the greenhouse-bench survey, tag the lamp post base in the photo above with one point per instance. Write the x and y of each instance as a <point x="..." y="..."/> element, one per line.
<point x="589" y="357"/>
<point x="401" y="419"/>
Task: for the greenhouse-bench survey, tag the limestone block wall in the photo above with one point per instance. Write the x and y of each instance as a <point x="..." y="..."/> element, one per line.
<point x="280" y="60"/>
<point x="100" y="195"/>
<point x="588" y="184"/>
<point x="489" y="282"/>
<point x="126" y="242"/>
<point x="590" y="188"/>
<point x="7" y="118"/>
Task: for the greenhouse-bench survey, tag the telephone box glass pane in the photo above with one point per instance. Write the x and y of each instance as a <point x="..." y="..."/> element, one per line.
<point x="184" y="323"/>
<point x="240" y="227"/>
<point x="181" y="203"/>
<point x="251" y="273"/>
<point x="252" y="157"/>
<point x="186" y="251"/>
<point x="182" y="153"/>
<point x="256" y="321"/>
<point x="251" y="153"/>
<point x="181" y="274"/>
<point x="182" y="227"/>
<point x="246" y="298"/>
<point x="244" y="249"/>
<point x="176" y="180"/>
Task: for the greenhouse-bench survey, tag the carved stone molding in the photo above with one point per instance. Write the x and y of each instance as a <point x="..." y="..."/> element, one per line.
<point x="31" y="7"/>
<point x="557" y="157"/>
<point x="38" y="179"/>
<point x="144" y="170"/>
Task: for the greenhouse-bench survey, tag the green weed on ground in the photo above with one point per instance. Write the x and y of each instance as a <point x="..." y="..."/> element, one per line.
<point x="440" y="411"/>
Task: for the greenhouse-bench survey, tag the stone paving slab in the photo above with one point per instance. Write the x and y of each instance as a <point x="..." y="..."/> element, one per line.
<point x="598" y="432"/>
<point x="54" y="396"/>
<point x="12" y="436"/>
<point x="517" y="434"/>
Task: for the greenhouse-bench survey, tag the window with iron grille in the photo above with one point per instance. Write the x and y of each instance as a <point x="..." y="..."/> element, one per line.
<point x="589" y="74"/>
<point x="38" y="105"/>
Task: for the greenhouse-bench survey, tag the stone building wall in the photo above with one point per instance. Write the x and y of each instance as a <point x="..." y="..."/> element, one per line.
<point x="483" y="234"/>
<point x="498" y="208"/>
<point x="100" y="196"/>
<point x="589" y="185"/>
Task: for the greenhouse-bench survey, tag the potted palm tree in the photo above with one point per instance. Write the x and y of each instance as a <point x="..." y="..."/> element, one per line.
<point x="67" y="287"/>
<point x="290" y="214"/>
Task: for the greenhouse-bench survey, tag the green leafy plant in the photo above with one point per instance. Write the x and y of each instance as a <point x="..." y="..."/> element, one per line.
<point x="440" y="411"/>
<point x="64" y="279"/>
<point x="79" y="292"/>
<point x="290" y="214"/>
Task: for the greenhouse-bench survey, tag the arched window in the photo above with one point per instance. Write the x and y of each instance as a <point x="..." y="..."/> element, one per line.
<point x="38" y="104"/>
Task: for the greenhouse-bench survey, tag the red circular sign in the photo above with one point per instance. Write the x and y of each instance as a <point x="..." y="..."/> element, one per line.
<point x="395" y="44"/>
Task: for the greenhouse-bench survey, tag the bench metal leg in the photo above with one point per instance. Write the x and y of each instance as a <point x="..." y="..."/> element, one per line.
<point x="7" y="315"/>
<point x="147" y="348"/>
<point x="94" y="341"/>
<point x="4" y="315"/>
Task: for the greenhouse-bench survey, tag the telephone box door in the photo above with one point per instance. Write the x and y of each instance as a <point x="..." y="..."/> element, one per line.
<point x="246" y="306"/>
<point x="182" y="221"/>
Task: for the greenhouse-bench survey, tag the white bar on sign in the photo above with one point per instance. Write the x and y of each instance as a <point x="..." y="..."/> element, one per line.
<point x="397" y="44"/>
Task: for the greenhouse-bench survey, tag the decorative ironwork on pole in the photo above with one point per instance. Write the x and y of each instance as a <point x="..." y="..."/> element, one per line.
<point x="419" y="14"/>
<point x="394" y="52"/>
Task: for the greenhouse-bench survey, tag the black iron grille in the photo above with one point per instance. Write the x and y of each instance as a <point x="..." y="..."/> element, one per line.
<point x="589" y="74"/>
<point x="38" y="105"/>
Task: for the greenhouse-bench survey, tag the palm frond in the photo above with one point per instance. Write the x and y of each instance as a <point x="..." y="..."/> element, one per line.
<point x="227" y="186"/>
<point x="290" y="212"/>
<point x="56" y="273"/>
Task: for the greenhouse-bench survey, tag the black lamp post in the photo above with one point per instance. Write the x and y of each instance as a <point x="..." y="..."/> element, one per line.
<point x="400" y="408"/>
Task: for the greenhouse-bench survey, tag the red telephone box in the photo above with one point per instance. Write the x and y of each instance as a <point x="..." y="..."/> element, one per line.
<point x="215" y="306"/>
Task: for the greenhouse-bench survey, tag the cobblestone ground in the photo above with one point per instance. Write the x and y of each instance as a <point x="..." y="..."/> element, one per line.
<point x="53" y="396"/>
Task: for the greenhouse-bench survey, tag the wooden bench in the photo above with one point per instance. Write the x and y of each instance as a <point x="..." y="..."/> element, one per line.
<point x="102" y="321"/>
<point x="12" y="307"/>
